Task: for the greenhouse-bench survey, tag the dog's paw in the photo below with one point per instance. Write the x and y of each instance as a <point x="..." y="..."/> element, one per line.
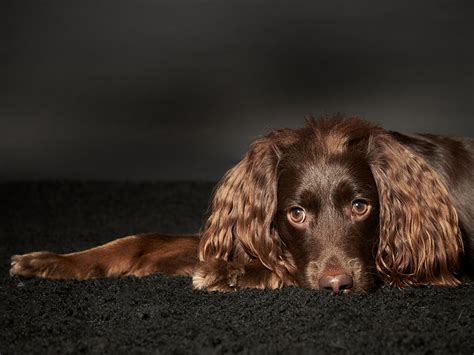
<point x="234" y="272"/>
<point x="218" y="275"/>
<point x="38" y="264"/>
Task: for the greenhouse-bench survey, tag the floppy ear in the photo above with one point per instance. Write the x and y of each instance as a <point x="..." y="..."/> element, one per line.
<point x="240" y="226"/>
<point x="420" y="240"/>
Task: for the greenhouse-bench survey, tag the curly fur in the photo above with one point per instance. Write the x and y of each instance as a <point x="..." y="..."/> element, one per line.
<point x="416" y="193"/>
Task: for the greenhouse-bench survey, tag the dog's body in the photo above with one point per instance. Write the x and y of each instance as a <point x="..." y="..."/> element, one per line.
<point x="339" y="204"/>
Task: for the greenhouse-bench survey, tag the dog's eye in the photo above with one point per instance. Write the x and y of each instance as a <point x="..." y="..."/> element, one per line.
<point x="360" y="207"/>
<point x="296" y="215"/>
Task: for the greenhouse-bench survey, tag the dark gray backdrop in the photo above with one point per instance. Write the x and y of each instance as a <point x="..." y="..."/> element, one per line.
<point x="177" y="89"/>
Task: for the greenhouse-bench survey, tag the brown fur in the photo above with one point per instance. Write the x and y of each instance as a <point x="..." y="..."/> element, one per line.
<point x="420" y="240"/>
<point x="417" y="228"/>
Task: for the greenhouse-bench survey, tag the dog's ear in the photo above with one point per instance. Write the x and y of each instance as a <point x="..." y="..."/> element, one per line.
<point x="240" y="225"/>
<point x="420" y="240"/>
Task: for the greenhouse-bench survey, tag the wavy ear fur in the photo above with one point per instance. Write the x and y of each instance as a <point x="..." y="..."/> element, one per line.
<point x="420" y="240"/>
<point x="240" y="226"/>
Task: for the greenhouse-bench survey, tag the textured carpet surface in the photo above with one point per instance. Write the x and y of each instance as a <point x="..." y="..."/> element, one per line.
<point x="158" y="314"/>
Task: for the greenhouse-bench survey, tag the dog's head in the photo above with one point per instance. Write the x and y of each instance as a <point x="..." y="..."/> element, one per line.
<point x="339" y="205"/>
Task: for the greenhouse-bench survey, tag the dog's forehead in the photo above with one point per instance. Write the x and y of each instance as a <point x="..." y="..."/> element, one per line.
<point x="316" y="143"/>
<point x="321" y="172"/>
<point x="313" y="174"/>
<point x="324" y="156"/>
<point x="325" y="138"/>
<point x="324" y="144"/>
<point x="316" y="149"/>
<point x="323" y="176"/>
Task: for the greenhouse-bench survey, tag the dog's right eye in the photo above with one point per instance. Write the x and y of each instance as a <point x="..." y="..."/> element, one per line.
<point x="360" y="209"/>
<point x="296" y="215"/>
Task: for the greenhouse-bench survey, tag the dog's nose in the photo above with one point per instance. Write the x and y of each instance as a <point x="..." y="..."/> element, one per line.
<point x="336" y="283"/>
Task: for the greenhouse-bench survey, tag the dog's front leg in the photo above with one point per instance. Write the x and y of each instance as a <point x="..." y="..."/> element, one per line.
<point x="137" y="255"/>
<point x="225" y="276"/>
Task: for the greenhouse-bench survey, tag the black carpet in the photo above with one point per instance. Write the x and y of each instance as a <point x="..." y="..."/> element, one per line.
<point x="159" y="314"/>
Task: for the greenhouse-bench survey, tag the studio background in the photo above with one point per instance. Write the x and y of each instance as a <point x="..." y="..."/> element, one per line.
<point x="176" y="90"/>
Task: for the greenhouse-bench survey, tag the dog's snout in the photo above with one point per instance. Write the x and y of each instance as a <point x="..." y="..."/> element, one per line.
<point x="336" y="283"/>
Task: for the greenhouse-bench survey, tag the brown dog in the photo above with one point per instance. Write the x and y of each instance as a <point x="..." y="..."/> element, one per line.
<point x="340" y="204"/>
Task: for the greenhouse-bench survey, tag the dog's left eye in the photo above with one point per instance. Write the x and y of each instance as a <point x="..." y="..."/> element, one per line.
<point x="360" y="207"/>
<point x="297" y="215"/>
